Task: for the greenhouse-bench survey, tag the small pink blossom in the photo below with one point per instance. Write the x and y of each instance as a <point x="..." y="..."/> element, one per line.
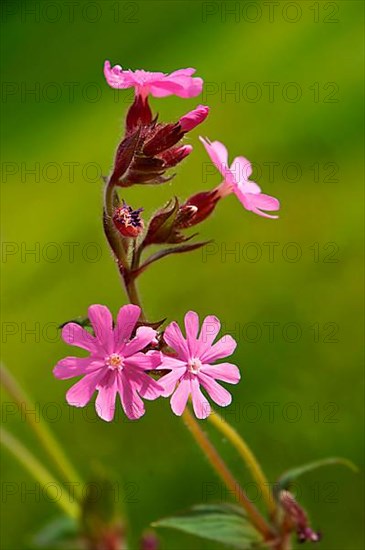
<point x="180" y="83"/>
<point x="192" y="366"/>
<point x="236" y="180"/>
<point x="191" y="120"/>
<point x="116" y="364"/>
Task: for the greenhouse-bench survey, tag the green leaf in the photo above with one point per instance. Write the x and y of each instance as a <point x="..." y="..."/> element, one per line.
<point x="62" y="532"/>
<point x="225" y="524"/>
<point x="289" y="476"/>
<point x="82" y="321"/>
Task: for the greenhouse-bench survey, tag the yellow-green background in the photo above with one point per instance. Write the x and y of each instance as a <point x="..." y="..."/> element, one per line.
<point x="157" y="452"/>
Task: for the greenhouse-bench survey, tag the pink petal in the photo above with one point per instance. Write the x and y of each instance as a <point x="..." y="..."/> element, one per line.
<point x="102" y="322"/>
<point x="180" y="397"/>
<point x="132" y="404"/>
<point x="174" y="338"/>
<point x="168" y="381"/>
<point x="191" y="328"/>
<point x="241" y="168"/>
<point x="223" y="348"/>
<point x="126" y="321"/>
<point x="74" y="335"/>
<point x="255" y="203"/>
<point x="80" y="393"/>
<point x="169" y="362"/>
<point x="250" y="187"/>
<point x="76" y="366"/>
<point x="219" y="394"/>
<point x="182" y="72"/>
<point x="146" y="386"/>
<point x="144" y="361"/>
<point x="218" y="155"/>
<point x="179" y="85"/>
<point x="107" y="392"/>
<point x="143" y="337"/>
<point x="115" y="76"/>
<point x="209" y="331"/>
<point x="226" y="372"/>
<point x="200" y="403"/>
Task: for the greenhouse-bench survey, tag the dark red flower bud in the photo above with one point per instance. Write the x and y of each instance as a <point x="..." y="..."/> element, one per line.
<point x="173" y="156"/>
<point x="164" y="137"/>
<point x="124" y="156"/>
<point x="298" y="517"/>
<point x="165" y="225"/>
<point x="128" y="221"/>
<point x="139" y="114"/>
<point x="204" y="204"/>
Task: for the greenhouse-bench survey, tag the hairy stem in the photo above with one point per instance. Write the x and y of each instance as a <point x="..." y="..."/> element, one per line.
<point x="39" y="472"/>
<point x="41" y="429"/>
<point x="225" y="474"/>
<point x="245" y="452"/>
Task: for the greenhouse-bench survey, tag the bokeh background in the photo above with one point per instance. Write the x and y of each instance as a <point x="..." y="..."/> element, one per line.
<point x="308" y="372"/>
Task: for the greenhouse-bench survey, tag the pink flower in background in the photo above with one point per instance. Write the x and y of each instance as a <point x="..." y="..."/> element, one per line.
<point x="180" y="83"/>
<point x="192" y="366"/>
<point x="115" y="365"/>
<point x="236" y="180"/>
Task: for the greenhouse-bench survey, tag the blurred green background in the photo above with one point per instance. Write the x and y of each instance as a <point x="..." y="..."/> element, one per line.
<point x="309" y="370"/>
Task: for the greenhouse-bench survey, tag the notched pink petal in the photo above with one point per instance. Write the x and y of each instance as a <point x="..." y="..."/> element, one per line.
<point x="76" y="366"/>
<point x="105" y="400"/>
<point x="215" y="391"/>
<point x="126" y="321"/>
<point x="218" y="155"/>
<point x="241" y="168"/>
<point x="143" y="337"/>
<point x="180" y="397"/>
<point x="174" y="338"/>
<point x="223" y="348"/>
<point x="168" y="381"/>
<point x="132" y="404"/>
<point x="226" y="372"/>
<point x="102" y="323"/>
<point x="80" y="393"/>
<point x="74" y="335"/>
<point x="209" y="331"/>
<point x="201" y="405"/>
<point x="145" y="361"/>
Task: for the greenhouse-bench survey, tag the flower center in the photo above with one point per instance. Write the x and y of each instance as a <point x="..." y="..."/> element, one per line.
<point x="114" y="362"/>
<point x="194" y="365"/>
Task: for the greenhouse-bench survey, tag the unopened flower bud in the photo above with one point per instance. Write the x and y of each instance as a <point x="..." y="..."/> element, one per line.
<point x="298" y="517"/>
<point x="204" y="204"/>
<point x="128" y="221"/>
<point x="173" y="156"/>
<point x="165" y="136"/>
<point x="185" y="215"/>
<point x="192" y="119"/>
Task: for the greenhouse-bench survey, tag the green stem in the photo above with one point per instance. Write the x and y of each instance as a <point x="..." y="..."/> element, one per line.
<point x="247" y="455"/>
<point x="41" y="429"/>
<point x="40" y="473"/>
<point x="225" y="474"/>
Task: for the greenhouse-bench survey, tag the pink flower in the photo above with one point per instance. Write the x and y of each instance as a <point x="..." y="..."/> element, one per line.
<point x="192" y="366"/>
<point x="236" y="180"/>
<point x="180" y="83"/>
<point x="115" y="365"/>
